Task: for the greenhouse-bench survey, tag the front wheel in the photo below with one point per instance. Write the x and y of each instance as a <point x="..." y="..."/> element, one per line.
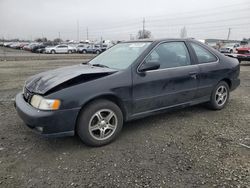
<point x="99" y="123"/>
<point x="220" y="96"/>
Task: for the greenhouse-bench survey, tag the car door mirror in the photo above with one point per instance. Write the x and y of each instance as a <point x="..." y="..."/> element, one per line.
<point x="152" y="65"/>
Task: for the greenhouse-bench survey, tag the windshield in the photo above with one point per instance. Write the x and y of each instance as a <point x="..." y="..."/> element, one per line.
<point x="229" y="45"/>
<point x="121" y="55"/>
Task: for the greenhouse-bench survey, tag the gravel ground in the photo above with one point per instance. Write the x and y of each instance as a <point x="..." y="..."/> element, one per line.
<point x="193" y="147"/>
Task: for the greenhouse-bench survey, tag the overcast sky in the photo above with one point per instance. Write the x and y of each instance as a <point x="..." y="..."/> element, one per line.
<point x="121" y="19"/>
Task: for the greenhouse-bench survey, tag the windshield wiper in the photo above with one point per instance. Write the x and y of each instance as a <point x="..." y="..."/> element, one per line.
<point x="99" y="65"/>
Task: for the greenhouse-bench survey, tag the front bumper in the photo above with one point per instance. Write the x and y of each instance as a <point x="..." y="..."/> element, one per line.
<point x="225" y="51"/>
<point x="243" y="57"/>
<point x="47" y="123"/>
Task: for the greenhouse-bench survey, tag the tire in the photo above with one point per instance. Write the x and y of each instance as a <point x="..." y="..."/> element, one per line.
<point x="231" y="51"/>
<point x="95" y="115"/>
<point x="53" y="51"/>
<point x="70" y="52"/>
<point x="219" y="96"/>
<point x="84" y="51"/>
<point x="97" y="52"/>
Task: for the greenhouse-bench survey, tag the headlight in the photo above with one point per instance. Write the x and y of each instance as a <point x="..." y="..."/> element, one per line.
<point x="45" y="104"/>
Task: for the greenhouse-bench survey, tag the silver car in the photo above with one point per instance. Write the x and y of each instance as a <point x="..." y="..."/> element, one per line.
<point x="62" y="48"/>
<point x="229" y="48"/>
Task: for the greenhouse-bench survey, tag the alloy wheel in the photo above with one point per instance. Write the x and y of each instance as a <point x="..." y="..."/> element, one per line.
<point x="221" y="95"/>
<point x="103" y="124"/>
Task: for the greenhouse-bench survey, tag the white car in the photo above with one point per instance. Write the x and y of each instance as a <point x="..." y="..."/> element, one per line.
<point x="229" y="48"/>
<point x="62" y="48"/>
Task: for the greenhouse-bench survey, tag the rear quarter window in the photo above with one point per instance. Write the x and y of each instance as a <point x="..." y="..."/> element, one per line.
<point x="203" y="55"/>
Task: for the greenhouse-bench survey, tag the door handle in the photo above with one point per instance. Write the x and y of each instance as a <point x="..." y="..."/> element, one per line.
<point x="193" y="75"/>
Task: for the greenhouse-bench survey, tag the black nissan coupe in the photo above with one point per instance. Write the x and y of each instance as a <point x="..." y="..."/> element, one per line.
<point x="131" y="80"/>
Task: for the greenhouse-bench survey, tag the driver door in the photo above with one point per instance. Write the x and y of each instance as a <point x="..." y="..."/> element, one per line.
<point x="174" y="83"/>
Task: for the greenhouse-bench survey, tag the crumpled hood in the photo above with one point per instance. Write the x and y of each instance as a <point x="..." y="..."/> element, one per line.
<point x="45" y="81"/>
<point x="243" y="49"/>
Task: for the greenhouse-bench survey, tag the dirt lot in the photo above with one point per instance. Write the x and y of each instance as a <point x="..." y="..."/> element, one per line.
<point x="193" y="147"/>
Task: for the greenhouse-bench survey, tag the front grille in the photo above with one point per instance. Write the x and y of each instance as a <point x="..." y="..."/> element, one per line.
<point x="243" y="52"/>
<point x="27" y="95"/>
<point x="224" y="49"/>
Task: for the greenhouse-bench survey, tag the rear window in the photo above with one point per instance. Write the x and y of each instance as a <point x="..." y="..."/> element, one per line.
<point x="203" y="55"/>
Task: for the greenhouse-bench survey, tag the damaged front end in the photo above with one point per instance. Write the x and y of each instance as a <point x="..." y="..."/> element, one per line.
<point x="54" y="80"/>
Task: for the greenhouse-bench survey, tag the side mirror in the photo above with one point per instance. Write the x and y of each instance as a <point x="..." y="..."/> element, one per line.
<point x="146" y="66"/>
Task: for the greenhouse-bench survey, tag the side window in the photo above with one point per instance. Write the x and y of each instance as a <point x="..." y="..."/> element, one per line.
<point x="170" y="54"/>
<point x="203" y="55"/>
<point x="61" y="46"/>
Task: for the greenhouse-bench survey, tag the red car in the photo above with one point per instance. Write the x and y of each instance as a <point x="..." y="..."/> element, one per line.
<point x="243" y="54"/>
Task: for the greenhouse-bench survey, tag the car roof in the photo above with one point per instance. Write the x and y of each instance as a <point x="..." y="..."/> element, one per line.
<point x="159" y="40"/>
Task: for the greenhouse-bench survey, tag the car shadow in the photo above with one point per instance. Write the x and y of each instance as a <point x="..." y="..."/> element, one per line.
<point x="134" y="126"/>
<point x="164" y="116"/>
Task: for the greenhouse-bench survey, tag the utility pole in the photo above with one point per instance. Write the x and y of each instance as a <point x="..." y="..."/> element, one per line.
<point x="229" y="32"/>
<point x="143" y="28"/>
<point x="87" y="33"/>
<point x="77" y="30"/>
<point x="101" y="41"/>
<point x="4" y="54"/>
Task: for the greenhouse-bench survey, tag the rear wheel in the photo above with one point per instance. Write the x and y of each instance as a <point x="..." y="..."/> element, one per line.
<point x="53" y="51"/>
<point x="84" y="51"/>
<point x="70" y="52"/>
<point x="97" y="52"/>
<point x="99" y="123"/>
<point x="220" y="96"/>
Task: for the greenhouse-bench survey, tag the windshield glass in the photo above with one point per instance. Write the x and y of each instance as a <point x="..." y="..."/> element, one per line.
<point x="121" y="55"/>
<point x="229" y="45"/>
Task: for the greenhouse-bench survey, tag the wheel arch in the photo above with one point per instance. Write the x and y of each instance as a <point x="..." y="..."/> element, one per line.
<point x="228" y="81"/>
<point x="111" y="97"/>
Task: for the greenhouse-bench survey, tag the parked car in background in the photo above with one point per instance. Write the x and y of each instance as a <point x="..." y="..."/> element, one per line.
<point x="61" y="48"/>
<point x="17" y="45"/>
<point x="30" y="46"/>
<point x="243" y="54"/>
<point x="104" y="47"/>
<point x="13" y="45"/>
<point x="40" y="48"/>
<point x="21" y="46"/>
<point x="89" y="48"/>
<point x="7" y="44"/>
<point x="73" y="47"/>
<point x="81" y="48"/>
<point x="93" y="48"/>
<point x="25" y="46"/>
<point x="128" y="81"/>
<point x="229" y="48"/>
